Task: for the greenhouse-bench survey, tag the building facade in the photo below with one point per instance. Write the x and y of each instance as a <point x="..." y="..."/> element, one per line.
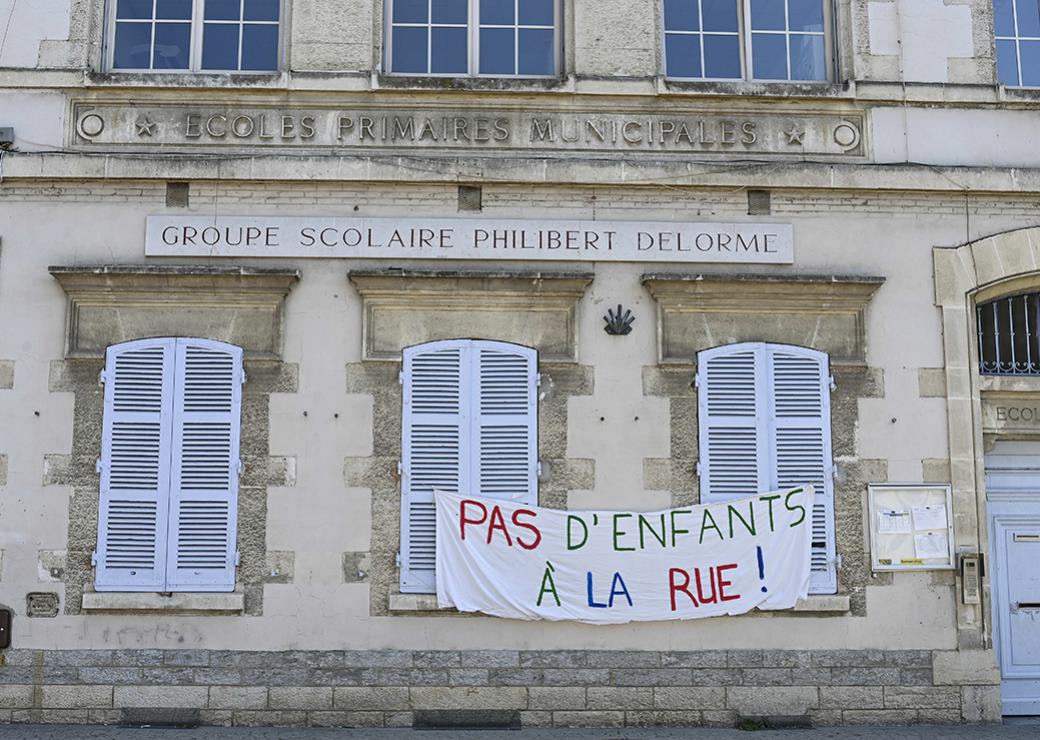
<point x="257" y="255"/>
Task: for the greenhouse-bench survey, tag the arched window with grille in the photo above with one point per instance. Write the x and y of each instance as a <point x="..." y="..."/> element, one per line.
<point x="1009" y="340"/>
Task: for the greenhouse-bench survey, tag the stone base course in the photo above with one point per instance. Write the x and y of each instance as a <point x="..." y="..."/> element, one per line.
<point x="570" y="688"/>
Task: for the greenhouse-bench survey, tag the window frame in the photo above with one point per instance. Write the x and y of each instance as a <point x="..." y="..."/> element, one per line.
<point x="198" y="25"/>
<point x="1017" y="39"/>
<point x="472" y="46"/>
<point x="744" y="37"/>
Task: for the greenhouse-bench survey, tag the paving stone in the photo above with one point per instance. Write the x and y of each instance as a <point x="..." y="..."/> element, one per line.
<point x="865" y="676"/>
<point x="588" y="719"/>
<point x="766" y="677"/>
<point x="689" y="697"/>
<point x="149" y="658"/>
<point x="552" y="659"/>
<point x="658" y="718"/>
<point x="190" y="697"/>
<point x="609" y="697"/>
<point x="75" y="658"/>
<point x="852" y="697"/>
<point x="190" y="658"/>
<point x="268" y="718"/>
<point x="913" y="697"/>
<point x="490" y="658"/>
<point x="436" y="659"/>
<point x="468" y="677"/>
<point x="299" y="697"/>
<point x="939" y="716"/>
<point x="110" y="675"/>
<point x="77" y="697"/>
<point x="576" y="676"/>
<point x="652" y="677"/>
<point x="238" y="697"/>
<point x="334" y="677"/>
<point x="403" y="677"/>
<point x="365" y="698"/>
<point x="217" y="676"/>
<point x="778" y="701"/>
<point x="345" y="719"/>
<point x="744" y="658"/>
<point x="879" y="716"/>
<point x="16" y="696"/>
<point x="697" y="659"/>
<point x="557" y="697"/>
<point x="474" y="697"/>
<point x="532" y="720"/>
<point x="715" y="677"/>
<point x="623" y="659"/>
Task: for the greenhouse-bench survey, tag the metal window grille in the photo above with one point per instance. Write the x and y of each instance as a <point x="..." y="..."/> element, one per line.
<point x="1009" y="340"/>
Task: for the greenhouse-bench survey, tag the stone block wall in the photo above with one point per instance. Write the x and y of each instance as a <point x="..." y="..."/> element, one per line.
<point x="401" y="688"/>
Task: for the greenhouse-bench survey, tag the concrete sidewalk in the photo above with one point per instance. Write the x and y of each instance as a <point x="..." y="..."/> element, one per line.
<point x="1021" y="730"/>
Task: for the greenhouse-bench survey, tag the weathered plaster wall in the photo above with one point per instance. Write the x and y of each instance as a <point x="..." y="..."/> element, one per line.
<point x="26" y="24"/>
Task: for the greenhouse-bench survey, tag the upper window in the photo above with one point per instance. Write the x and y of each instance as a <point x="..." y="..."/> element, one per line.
<point x="1017" y="27"/>
<point x="1009" y="335"/>
<point x="765" y="425"/>
<point x="492" y="38"/>
<point x="169" y="466"/>
<point x="194" y="35"/>
<point x="764" y="40"/>
<point x="470" y="425"/>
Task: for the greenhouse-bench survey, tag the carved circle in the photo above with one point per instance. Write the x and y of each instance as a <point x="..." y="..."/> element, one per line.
<point x="846" y="135"/>
<point x="91" y="125"/>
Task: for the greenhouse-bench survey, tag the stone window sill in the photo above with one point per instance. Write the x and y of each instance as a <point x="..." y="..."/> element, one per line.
<point x="180" y="603"/>
<point x="836" y="604"/>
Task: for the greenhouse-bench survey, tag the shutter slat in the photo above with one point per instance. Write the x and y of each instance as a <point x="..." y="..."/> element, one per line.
<point x="204" y="487"/>
<point x="135" y="455"/>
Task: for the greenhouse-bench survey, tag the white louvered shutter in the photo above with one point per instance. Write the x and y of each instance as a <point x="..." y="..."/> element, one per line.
<point x="435" y="450"/>
<point x="135" y="466"/>
<point x="732" y="411"/>
<point x="800" y="440"/>
<point x="505" y="422"/>
<point x="204" y="475"/>
<point x="765" y="417"/>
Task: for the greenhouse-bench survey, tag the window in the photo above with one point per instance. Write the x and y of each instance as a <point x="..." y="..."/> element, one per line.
<point x="1017" y="27"/>
<point x="495" y="38"/>
<point x="470" y="425"/>
<point x="755" y="39"/>
<point x="765" y="425"/>
<point x="194" y="35"/>
<point x="1009" y="337"/>
<point x="169" y="466"/>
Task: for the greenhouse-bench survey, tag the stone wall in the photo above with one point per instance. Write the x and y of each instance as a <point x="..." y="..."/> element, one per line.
<point x="399" y="688"/>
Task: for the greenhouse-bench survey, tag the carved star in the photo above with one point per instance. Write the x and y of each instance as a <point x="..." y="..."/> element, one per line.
<point x="145" y="126"/>
<point x="795" y="135"/>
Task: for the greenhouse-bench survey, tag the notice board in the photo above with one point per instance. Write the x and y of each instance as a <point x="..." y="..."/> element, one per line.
<point x="911" y="527"/>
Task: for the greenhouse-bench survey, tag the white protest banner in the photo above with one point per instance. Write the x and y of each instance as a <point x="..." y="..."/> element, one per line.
<point x="603" y="567"/>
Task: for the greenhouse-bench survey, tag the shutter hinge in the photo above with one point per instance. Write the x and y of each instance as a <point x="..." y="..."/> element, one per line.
<point x="239" y="467"/>
<point x="696" y="380"/>
<point x="245" y="378"/>
<point x="537" y="380"/>
<point x="837" y="561"/>
<point x="400" y="378"/>
<point x="834" y="386"/>
<point x="102" y="377"/>
<point x="834" y="472"/>
<point x="397" y="559"/>
<point x="238" y="558"/>
<point x="698" y="466"/>
<point x="94" y="558"/>
<point x="98" y="466"/>
<point x="538" y="470"/>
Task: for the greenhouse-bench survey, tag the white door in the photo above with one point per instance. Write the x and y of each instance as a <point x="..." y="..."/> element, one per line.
<point x="1013" y="493"/>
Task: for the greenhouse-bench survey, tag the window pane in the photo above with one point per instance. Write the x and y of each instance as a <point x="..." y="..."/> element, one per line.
<point x="537" y="13"/>
<point x="450" y="11"/>
<point x="1030" y="51"/>
<point x="722" y="57"/>
<point x="172" y="43"/>
<point x="496" y="51"/>
<point x="767" y="15"/>
<point x="173" y="10"/>
<point x="536" y="52"/>
<point x="720" y="15"/>
<point x="1003" y="18"/>
<point x="1028" y="17"/>
<point x="262" y="10"/>
<point x="411" y="11"/>
<point x="805" y="15"/>
<point x="682" y="55"/>
<point x="260" y="47"/>
<point x="134" y="9"/>
<point x="1007" y="63"/>
<point x="769" y="52"/>
<point x="681" y="15"/>
<point x="409" y="50"/>
<point x="497" y="13"/>
<point x="220" y="46"/>
<point x="450" y="55"/>
<point x="222" y="10"/>
<point x="808" y="57"/>
<point x="133" y="46"/>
